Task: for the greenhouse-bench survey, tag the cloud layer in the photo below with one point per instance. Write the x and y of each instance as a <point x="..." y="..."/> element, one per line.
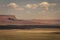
<point x="43" y="5"/>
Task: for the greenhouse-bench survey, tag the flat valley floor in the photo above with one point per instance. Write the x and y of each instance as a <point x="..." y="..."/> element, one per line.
<point x="30" y="34"/>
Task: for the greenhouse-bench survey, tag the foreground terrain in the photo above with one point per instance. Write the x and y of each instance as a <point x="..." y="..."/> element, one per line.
<point x="31" y="34"/>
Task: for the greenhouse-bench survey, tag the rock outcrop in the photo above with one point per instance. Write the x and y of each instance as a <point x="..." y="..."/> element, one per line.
<point x="7" y="17"/>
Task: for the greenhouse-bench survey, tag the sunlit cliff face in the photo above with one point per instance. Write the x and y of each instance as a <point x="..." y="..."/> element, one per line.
<point x="7" y="17"/>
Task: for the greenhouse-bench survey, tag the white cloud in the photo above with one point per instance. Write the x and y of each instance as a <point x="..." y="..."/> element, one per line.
<point x="32" y="6"/>
<point x="14" y="6"/>
<point x="45" y="5"/>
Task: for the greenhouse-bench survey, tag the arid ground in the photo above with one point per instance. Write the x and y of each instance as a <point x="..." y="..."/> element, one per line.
<point x="31" y="34"/>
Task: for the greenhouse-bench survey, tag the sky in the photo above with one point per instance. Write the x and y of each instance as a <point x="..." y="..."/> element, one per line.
<point x="31" y="9"/>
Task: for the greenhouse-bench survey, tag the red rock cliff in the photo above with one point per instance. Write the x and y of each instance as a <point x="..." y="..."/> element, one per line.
<point x="7" y="17"/>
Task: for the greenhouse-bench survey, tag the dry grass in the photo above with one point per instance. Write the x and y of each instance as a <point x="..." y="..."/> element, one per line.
<point x="34" y="34"/>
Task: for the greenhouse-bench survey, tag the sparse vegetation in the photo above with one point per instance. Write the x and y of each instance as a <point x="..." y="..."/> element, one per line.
<point x="27" y="26"/>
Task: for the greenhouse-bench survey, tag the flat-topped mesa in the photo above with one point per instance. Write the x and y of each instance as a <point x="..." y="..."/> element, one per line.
<point x="7" y="17"/>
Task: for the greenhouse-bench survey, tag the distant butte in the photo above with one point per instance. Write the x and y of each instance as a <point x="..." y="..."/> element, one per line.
<point x="7" y="17"/>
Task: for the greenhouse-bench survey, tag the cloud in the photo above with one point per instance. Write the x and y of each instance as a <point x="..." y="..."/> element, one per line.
<point x="31" y="6"/>
<point x="14" y="6"/>
<point x="45" y="5"/>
